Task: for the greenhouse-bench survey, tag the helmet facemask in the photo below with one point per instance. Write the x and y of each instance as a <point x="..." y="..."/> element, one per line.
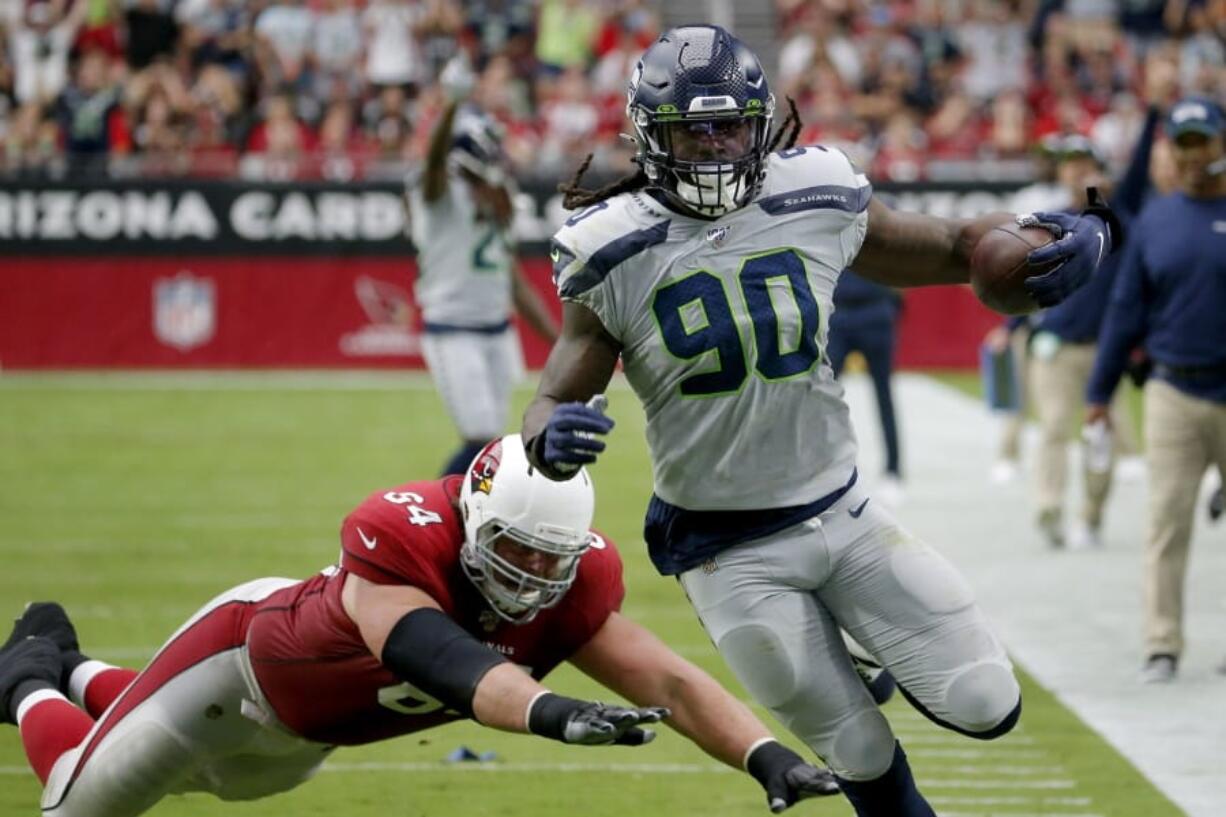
<point x="524" y="534"/>
<point x="521" y="574"/>
<point x="708" y="163"/>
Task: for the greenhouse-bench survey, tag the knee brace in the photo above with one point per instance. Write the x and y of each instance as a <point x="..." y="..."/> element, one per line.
<point x="862" y="747"/>
<point x="984" y="701"/>
<point x="984" y="698"/>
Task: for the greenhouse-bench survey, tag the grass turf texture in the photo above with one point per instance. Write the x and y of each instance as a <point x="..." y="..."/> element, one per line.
<point x="135" y="500"/>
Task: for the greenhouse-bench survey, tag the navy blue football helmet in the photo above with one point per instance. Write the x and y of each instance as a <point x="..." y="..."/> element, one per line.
<point x="701" y="111"/>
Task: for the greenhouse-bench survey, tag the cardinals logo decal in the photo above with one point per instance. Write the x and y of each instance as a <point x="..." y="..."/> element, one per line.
<point x="481" y="477"/>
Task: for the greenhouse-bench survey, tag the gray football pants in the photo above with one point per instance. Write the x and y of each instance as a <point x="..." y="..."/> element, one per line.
<point x="773" y="608"/>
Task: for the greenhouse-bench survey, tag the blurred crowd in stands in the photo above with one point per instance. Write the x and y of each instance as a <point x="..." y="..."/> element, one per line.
<point x="346" y="89"/>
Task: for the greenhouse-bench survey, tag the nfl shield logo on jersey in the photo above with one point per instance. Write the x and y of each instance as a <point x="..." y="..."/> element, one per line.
<point x="184" y="311"/>
<point x="717" y="235"/>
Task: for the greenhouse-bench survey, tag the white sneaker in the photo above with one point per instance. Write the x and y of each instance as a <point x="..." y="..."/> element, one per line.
<point x="1158" y="669"/>
<point x="1131" y="468"/>
<point x="1084" y="537"/>
<point x="1004" y="472"/>
<point x="889" y="491"/>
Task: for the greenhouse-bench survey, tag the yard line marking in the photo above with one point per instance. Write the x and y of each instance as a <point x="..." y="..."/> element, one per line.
<point x="562" y="768"/>
<point x="496" y="767"/>
<point x="1020" y="814"/>
<point x="1019" y="771"/>
<point x="930" y="783"/>
<point x="917" y="738"/>
<point x="1010" y="801"/>
<point x="615" y="768"/>
<point x="996" y="753"/>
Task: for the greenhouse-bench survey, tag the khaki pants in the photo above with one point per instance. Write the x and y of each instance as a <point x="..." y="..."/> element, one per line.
<point x="1011" y="434"/>
<point x="1183" y="436"/>
<point x="1057" y="390"/>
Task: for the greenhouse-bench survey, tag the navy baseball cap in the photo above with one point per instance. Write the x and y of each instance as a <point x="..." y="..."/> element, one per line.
<point x="1194" y="114"/>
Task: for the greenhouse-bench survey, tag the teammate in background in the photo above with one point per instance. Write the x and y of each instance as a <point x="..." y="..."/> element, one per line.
<point x="1170" y="296"/>
<point x="452" y="599"/>
<point x="710" y="272"/>
<point x="1063" y="340"/>
<point x="461" y="212"/>
<point x="864" y="320"/>
<point x="1013" y="335"/>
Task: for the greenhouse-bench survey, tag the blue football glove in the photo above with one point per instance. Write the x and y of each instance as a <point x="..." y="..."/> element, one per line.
<point x="570" y="440"/>
<point x="1082" y="242"/>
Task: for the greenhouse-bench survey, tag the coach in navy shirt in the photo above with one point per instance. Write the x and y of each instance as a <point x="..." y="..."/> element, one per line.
<point x="1170" y="297"/>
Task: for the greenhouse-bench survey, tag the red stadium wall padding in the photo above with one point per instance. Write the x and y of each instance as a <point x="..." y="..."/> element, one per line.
<point x="942" y="327"/>
<point x="303" y="311"/>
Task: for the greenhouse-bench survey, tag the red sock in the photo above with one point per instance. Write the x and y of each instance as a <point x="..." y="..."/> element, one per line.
<point x="50" y="726"/>
<point x="95" y="685"/>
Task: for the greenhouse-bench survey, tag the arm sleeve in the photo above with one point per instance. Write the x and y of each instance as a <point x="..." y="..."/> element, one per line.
<point x="1123" y="325"/>
<point x="1134" y="184"/>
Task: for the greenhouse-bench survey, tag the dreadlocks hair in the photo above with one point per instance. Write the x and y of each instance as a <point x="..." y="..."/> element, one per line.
<point x="575" y="197"/>
<point x="789" y="131"/>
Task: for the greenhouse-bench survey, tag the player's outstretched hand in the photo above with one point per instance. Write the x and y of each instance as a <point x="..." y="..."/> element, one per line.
<point x="457" y="79"/>
<point x="1082" y="242"/>
<point x="597" y="724"/>
<point x="570" y="436"/>
<point x="786" y="776"/>
<point x="589" y="723"/>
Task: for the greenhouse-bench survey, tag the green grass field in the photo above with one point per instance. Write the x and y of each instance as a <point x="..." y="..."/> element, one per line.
<point x="134" y="500"/>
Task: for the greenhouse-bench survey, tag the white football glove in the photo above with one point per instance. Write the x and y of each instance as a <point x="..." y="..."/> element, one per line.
<point x="457" y="79"/>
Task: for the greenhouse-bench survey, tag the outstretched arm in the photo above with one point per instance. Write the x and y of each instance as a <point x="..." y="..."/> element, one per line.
<point x="904" y="249"/>
<point x="413" y="638"/>
<point x="628" y="659"/>
<point x="631" y="661"/>
<point x="909" y="249"/>
<point x="434" y="175"/>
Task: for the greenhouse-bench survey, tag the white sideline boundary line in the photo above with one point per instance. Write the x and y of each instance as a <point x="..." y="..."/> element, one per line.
<point x="1071" y="618"/>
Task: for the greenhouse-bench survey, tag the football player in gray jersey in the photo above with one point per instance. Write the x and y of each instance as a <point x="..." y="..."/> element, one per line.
<point x="468" y="279"/>
<point x="710" y="274"/>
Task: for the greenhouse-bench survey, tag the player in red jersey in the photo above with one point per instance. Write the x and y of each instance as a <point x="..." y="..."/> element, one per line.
<point x="452" y="599"/>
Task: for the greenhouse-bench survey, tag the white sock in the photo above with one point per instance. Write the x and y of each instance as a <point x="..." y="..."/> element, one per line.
<point x="78" y="682"/>
<point x="34" y="699"/>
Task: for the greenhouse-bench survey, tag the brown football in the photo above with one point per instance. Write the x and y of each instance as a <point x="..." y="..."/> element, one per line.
<point x="998" y="267"/>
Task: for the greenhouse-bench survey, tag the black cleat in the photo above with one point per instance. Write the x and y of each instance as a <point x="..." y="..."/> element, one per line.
<point x="46" y="619"/>
<point x="1216" y="505"/>
<point x="30" y="659"/>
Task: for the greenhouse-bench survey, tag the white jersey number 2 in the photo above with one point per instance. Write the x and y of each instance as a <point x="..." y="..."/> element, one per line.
<point x="690" y="334"/>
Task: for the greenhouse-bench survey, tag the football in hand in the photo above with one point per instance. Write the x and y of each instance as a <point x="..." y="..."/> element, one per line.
<point x="999" y="269"/>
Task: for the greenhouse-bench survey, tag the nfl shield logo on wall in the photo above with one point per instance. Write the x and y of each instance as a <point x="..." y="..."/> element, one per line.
<point x="184" y="311"/>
